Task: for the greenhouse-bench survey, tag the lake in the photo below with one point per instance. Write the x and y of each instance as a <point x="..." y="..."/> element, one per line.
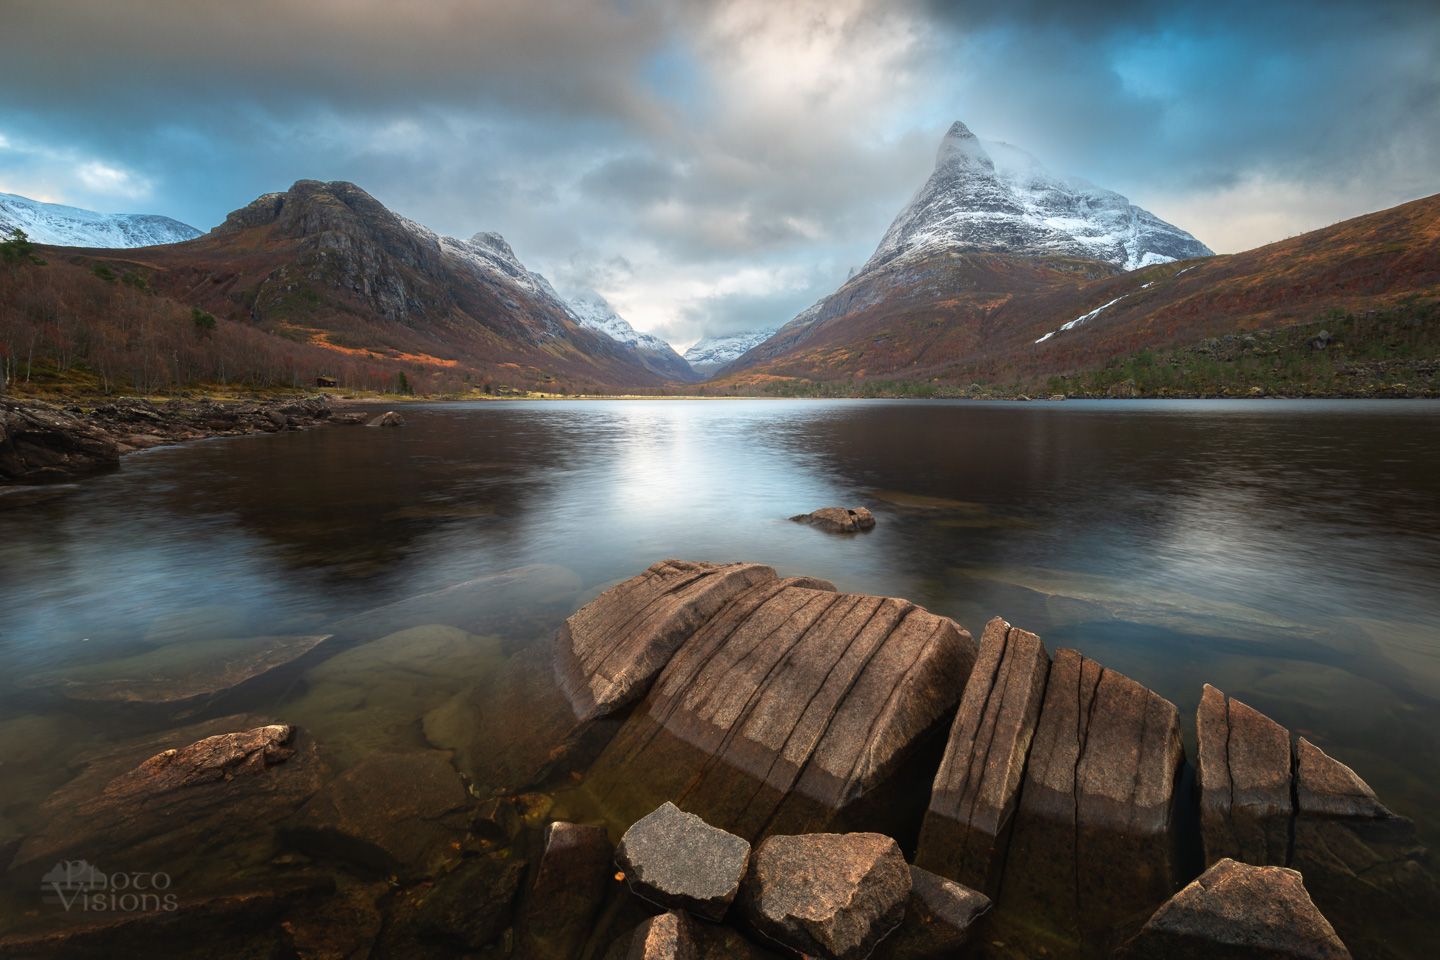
<point x="1287" y="552"/>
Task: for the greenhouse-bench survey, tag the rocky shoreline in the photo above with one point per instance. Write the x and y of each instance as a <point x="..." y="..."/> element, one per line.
<point x="714" y="761"/>
<point x="46" y="441"/>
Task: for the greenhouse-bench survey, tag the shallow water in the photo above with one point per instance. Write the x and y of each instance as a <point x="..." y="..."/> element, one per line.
<point x="1287" y="552"/>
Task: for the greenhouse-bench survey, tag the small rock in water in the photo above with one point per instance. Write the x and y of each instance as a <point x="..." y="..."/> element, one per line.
<point x="838" y="519"/>
<point x="832" y="895"/>
<point x="387" y="419"/>
<point x="1235" y="910"/>
<point x="676" y="859"/>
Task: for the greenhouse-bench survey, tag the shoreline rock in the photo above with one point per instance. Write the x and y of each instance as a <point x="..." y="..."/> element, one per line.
<point x="47" y="441"/>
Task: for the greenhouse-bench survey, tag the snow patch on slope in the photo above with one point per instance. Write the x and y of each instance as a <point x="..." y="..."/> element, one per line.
<point x="62" y="226"/>
<point x="1083" y="317"/>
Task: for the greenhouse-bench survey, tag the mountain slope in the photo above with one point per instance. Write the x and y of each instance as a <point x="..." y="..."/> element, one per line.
<point x="989" y="317"/>
<point x="594" y="311"/>
<point x="53" y="223"/>
<point x="997" y="198"/>
<point x="328" y="267"/>
<point x="709" y="354"/>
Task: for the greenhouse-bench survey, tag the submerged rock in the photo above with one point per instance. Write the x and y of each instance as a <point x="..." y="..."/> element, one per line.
<point x="387" y="419"/>
<point x="678" y="860"/>
<point x="245" y="922"/>
<point x="790" y="709"/>
<point x="1236" y="911"/>
<point x="1244" y="777"/>
<point x="398" y="813"/>
<point x="188" y="674"/>
<point x="569" y="891"/>
<point x="838" y="519"/>
<point x="1095" y="842"/>
<point x="466" y="909"/>
<point x="163" y="802"/>
<point x="976" y="790"/>
<point x="939" y="921"/>
<point x="827" y="894"/>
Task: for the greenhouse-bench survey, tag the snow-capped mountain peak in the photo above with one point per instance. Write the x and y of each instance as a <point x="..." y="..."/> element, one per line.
<point x="592" y="310"/>
<point x="994" y="197"/>
<point x="961" y="149"/>
<point x="712" y="353"/>
<point x="59" y="225"/>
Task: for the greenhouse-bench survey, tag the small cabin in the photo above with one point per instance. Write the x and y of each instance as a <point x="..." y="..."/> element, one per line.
<point x="326" y="382"/>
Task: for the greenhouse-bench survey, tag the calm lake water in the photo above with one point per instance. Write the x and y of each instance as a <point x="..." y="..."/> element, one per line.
<point x="1288" y="552"/>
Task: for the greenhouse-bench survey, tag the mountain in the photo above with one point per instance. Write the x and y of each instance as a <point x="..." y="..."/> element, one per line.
<point x="322" y="279"/>
<point x="955" y="318"/>
<point x="64" y="226"/>
<point x="990" y="224"/>
<point x="594" y="311"/>
<point x="993" y="197"/>
<point x="711" y="353"/>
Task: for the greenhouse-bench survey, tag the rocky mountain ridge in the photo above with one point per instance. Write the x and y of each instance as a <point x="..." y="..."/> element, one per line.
<point x="60" y="225"/>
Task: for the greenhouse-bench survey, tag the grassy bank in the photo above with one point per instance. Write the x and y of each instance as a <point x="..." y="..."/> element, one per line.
<point x="1389" y="353"/>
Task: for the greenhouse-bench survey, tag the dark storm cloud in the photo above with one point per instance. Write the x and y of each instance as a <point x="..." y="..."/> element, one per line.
<point x="716" y="166"/>
<point x="1196" y="93"/>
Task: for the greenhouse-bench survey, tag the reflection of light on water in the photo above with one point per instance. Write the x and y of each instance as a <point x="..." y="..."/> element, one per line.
<point x="1287" y="552"/>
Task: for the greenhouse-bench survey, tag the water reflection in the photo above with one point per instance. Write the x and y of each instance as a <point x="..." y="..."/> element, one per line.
<point x="1285" y="551"/>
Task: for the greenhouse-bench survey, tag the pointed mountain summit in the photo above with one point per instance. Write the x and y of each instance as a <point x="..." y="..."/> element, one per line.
<point x="993" y="197"/>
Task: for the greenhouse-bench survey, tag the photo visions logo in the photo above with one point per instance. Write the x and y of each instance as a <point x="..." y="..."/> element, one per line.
<point x="80" y="885"/>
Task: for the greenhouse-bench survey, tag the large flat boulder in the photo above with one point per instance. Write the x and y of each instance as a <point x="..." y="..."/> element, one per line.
<point x="609" y="651"/>
<point x="789" y="708"/>
<point x="1236" y="911"/>
<point x="1244" y="779"/>
<point x="1094" y="850"/>
<point x="827" y="895"/>
<point x="977" y="788"/>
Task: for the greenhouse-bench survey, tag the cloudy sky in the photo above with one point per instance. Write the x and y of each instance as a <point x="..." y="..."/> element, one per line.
<point x="713" y="167"/>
